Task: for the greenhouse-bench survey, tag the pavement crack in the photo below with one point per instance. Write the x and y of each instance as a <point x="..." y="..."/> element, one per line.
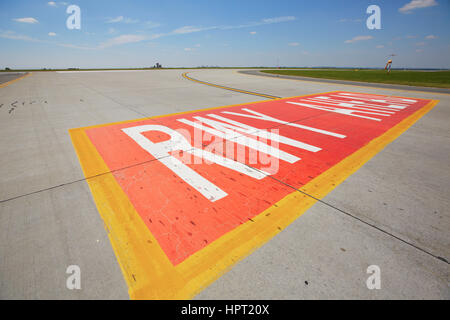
<point x="121" y="104"/>
<point x="364" y="222"/>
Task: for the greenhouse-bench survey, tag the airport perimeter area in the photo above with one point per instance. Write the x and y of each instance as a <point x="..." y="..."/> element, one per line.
<point x="362" y="181"/>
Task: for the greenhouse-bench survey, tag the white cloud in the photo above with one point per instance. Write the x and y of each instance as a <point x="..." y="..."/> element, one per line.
<point x="421" y="44"/>
<point x="52" y="34"/>
<point x="14" y="36"/>
<point x="56" y="4"/>
<point x="26" y="20"/>
<point x="115" y="20"/>
<point x="122" y="19"/>
<point x="123" y="39"/>
<point x="186" y="29"/>
<point x="417" y="4"/>
<point x="419" y="50"/>
<point x="129" y="20"/>
<point x="190" y="29"/>
<point x="294" y="44"/>
<point x="73" y="46"/>
<point x="350" y="20"/>
<point x="151" y="24"/>
<point x="158" y="35"/>
<point x="431" y="37"/>
<point x="252" y="32"/>
<point x="380" y="46"/>
<point x="358" y="38"/>
<point x="258" y="23"/>
<point x="410" y="37"/>
<point x="132" y="38"/>
<point x="278" y="19"/>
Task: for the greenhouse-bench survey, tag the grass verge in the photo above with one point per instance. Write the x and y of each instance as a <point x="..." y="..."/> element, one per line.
<point x="438" y="79"/>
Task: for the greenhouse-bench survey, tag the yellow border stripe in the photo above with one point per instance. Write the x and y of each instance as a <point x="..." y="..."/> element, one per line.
<point x="14" y="80"/>
<point x="228" y="88"/>
<point x="148" y="272"/>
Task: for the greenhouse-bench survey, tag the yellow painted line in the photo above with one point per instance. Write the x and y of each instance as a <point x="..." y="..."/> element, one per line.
<point x="14" y="80"/>
<point x="148" y="272"/>
<point x="344" y="84"/>
<point x="228" y="88"/>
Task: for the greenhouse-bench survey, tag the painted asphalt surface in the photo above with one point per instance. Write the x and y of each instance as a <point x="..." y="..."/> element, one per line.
<point x="362" y="84"/>
<point x="392" y="212"/>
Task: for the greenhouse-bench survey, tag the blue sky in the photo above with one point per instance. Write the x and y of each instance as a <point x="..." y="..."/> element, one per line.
<point x="139" y="33"/>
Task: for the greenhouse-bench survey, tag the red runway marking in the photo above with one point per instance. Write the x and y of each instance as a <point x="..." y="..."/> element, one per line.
<point x="184" y="220"/>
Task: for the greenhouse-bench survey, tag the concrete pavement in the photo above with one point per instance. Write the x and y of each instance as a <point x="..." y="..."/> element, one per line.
<point x="391" y="213"/>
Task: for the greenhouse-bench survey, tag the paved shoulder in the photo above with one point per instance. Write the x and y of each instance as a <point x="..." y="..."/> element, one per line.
<point x="346" y="82"/>
<point x="8" y="76"/>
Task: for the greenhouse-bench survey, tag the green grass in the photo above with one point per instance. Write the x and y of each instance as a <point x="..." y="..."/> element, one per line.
<point x="439" y="79"/>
